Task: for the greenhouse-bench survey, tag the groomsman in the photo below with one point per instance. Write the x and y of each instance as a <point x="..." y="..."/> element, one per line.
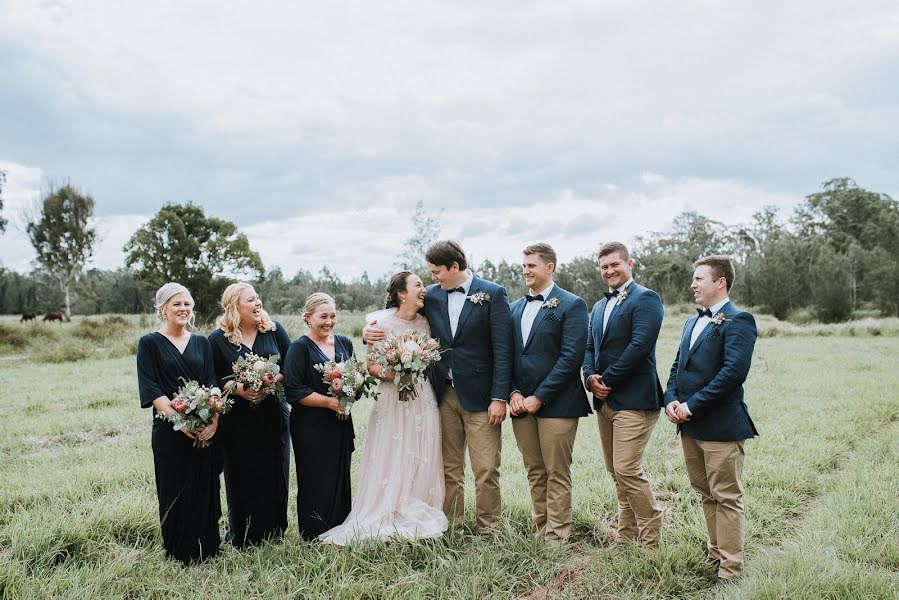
<point x="549" y="327"/>
<point x="705" y="398"/>
<point x="619" y="368"/>
<point x="470" y="318"/>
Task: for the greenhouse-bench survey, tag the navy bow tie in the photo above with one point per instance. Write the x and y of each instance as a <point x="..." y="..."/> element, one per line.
<point x="704" y="312"/>
<point x="532" y="298"/>
<point x="610" y="295"/>
<point x="459" y="289"/>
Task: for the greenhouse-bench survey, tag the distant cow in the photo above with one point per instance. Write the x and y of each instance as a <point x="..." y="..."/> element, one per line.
<point x="54" y="316"/>
<point x="28" y="317"/>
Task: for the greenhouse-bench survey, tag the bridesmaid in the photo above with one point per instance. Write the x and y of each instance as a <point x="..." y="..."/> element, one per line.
<point x="252" y="432"/>
<point x="322" y="440"/>
<point x="187" y="477"/>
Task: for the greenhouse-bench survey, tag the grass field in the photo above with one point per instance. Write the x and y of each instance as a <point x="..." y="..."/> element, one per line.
<point x="78" y="515"/>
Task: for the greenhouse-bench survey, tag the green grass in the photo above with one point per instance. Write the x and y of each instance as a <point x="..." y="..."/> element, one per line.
<point x="78" y="507"/>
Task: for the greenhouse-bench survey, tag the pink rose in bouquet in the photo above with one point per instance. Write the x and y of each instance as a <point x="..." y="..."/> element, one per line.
<point x="410" y="355"/>
<point x="348" y="381"/>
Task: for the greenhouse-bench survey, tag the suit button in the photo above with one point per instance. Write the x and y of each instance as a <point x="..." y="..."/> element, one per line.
<point x="524" y="353"/>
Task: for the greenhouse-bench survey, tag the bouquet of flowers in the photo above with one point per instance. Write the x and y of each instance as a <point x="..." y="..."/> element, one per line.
<point x="258" y="374"/>
<point x="196" y="405"/>
<point x="410" y="355"/>
<point x="349" y="381"/>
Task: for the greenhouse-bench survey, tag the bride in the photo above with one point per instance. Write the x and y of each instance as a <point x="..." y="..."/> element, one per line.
<point x="401" y="488"/>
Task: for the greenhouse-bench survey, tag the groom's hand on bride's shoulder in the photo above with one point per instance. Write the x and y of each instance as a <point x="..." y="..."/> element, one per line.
<point x="372" y="334"/>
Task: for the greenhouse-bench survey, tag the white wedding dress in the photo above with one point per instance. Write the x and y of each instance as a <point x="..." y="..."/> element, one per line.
<point x="401" y="489"/>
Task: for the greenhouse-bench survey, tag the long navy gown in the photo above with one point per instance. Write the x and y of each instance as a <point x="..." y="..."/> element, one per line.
<point x="187" y="478"/>
<point x="322" y="442"/>
<point x="253" y="447"/>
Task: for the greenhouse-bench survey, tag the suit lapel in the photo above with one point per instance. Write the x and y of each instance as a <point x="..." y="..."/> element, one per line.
<point x="466" y="306"/>
<point x="541" y="314"/>
<point x="441" y="308"/>
<point x="517" y="313"/>
<point x="618" y="303"/>
<point x="725" y="310"/>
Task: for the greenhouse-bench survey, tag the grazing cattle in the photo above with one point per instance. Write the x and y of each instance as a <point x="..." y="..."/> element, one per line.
<point x="28" y="317"/>
<point x="54" y="316"/>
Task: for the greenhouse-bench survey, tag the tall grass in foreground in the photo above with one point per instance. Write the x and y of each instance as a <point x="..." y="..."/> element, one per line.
<point x="78" y="507"/>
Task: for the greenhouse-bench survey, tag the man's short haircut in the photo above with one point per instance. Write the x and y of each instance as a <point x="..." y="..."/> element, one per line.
<point x="720" y="265"/>
<point x="544" y="251"/>
<point x="613" y="247"/>
<point x="445" y="253"/>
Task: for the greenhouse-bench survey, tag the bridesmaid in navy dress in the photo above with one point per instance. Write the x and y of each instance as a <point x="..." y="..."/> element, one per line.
<point x="251" y="433"/>
<point x="322" y="441"/>
<point x="187" y="476"/>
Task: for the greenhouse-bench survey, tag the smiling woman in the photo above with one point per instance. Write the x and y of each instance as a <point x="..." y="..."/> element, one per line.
<point x="187" y="472"/>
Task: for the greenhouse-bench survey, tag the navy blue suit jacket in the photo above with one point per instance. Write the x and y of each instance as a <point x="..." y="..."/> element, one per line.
<point x="625" y="352"/>
<point x="547" y="364"/>
<point x="480" y="354"/>
<point x="709" y="377"/>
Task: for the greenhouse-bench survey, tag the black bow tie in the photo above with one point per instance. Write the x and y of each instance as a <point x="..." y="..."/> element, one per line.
<point x="704" y="312"/>
<point x="610" y="295"/>
<point x="532" y="298"/>
<point x="459" y="289"/>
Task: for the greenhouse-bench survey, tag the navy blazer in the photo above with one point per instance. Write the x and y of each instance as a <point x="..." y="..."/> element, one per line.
<point x="480" y="354"/>
<point x="625" y="352"/>
<point x="547" y="364"/>
<point x="709" y="377"/>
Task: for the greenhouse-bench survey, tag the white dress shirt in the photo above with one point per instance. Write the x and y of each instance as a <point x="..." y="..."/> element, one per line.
<point x="530" y="312"/>
<point x="610" y="304"/>
<point x="454" y="303"/>
<point x="703" y="322"/>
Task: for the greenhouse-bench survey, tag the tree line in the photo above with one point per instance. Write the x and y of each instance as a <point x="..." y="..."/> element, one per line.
<point x="835" y="255"/>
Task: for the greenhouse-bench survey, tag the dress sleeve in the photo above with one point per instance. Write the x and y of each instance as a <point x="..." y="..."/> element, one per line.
<point x="296" y="367"/>
<point x="221" y="358"/>
<point x="148" y="378"/>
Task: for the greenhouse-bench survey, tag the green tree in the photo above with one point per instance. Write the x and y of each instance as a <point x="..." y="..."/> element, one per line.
<point x="2" y="220"/>
<point x="63" y="238"/>
<point x="505" y="274"/>
<point x="581" y="277"/>
<point x="425" y="231"/>
<point x="180" y="243"/>
<point x="884" y="275"/>
<point x="830" y="278"/>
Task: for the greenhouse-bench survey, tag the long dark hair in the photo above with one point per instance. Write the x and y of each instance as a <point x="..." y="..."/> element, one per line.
<point x="397" y="284"/>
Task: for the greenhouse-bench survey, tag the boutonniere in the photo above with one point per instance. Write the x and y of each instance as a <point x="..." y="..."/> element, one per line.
<point x="551" y="303"/>
<point x="479" y="298"/>
<point x="622" y="296"/>
<point x="719" y="319"/>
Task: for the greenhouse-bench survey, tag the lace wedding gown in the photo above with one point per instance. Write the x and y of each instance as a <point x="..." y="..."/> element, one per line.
<point x="400" y="491"/>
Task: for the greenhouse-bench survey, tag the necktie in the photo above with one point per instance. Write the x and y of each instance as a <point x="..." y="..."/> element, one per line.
<point x="704" y="312"/>
<point x="459" y="289"/>
<point x="610" y="295"/>
<point x="532" y="298"/>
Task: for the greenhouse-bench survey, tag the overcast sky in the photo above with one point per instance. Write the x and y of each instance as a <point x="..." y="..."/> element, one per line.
<point x="317" y="126"/>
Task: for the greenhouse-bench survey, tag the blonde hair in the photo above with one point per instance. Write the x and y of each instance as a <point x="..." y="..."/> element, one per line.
<point x="165" y="294"/>
<point x="229" y="320"/>
<point x="314" y="301"/>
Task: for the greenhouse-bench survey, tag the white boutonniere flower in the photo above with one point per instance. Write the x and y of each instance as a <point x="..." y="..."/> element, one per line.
<point x="479" y="298"/>
<point x="622" y="296"/>
<point x="719" y="318"/>
<point x="551" y="303"/>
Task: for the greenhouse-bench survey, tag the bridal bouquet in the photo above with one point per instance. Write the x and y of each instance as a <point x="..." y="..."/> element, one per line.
<point x="258" y="374"/>
<point x="348" y="381"/>
<point x="196" y="405"/>
<point x="410" y="355"/>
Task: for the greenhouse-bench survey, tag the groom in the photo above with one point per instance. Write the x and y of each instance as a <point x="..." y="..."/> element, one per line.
<point x="470" y="317"/>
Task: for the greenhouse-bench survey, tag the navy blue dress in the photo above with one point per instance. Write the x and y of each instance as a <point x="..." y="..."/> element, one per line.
<point x="322" y="442"/>
<point x="253" y="446"/>
<point x="187" y="478"/>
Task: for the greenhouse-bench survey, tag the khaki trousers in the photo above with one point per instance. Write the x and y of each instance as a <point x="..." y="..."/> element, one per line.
<point x="624" y="435"/>
<point x="460" y="429"/>
<point x="716" y="470"/>
<point x="546" y="445"/>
